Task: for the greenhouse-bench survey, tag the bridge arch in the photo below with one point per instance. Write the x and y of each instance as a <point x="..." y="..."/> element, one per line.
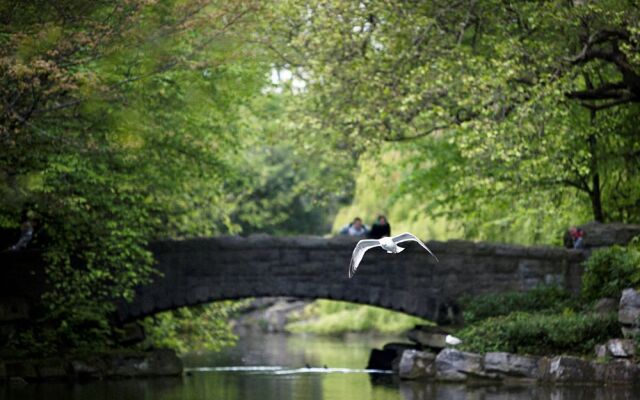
<point x="198" y="271"/>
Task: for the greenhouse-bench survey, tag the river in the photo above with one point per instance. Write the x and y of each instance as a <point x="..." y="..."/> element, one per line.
<point x="281" y="367"/>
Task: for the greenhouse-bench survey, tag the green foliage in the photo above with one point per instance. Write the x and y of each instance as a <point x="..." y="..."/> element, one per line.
<point x="328" y="317"/>
<point x="485" y="102"/>
<point x="550" y="299"/>
<point x="197" y="328"/>
<point x="540" y="333"/>
<point x="611" y="270"/>
<point x="117" y="128"/>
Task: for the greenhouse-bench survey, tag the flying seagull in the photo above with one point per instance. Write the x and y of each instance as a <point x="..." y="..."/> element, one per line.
<point x="390" y="244"/>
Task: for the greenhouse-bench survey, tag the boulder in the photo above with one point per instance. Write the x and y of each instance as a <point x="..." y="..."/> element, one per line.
<point x="601" y="351"/>
<point x="513" y="365"/>
<point x="456" y="365"/>
<point x="429" y="336"/>
<point x="621" y="348"/>
<point x="618" y="371"/>
<point x="571" y="369"/>
<point x="160" y="362"/>
<point x="417" y="364"/>
<point x="132" y="333"/>
<point x="400" y="347"/>
<point x="52" y="369"/>
<point x="23" y="369"/>
<point x="629" y="313"/>
<point x="606" y="306"/>
<point x="17" y="381"/>
<point x="381" y="359"/>
<point x="163" y="362"/>
<point x="90" y="368"/>
<point x="121" y="366"/>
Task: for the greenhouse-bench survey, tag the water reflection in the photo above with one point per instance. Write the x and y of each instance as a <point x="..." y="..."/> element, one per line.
<point x="274" y="367"/>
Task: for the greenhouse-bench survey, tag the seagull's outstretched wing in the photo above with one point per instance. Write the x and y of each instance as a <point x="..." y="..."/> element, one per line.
<point x="358" y="253"/>
<point x="405" y="237"/>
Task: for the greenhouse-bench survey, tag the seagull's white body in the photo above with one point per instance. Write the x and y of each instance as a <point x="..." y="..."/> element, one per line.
<point x="452" y="340"/>
<point x="390" y="244"/>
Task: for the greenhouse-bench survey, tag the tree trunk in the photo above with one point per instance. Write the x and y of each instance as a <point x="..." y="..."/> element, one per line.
<point x="595" y="193"/>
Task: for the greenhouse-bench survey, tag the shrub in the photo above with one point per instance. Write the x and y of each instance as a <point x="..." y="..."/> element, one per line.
<point x="542" y="298"/>
<point x="567" y="332"/>
<point x="609" y="271"/>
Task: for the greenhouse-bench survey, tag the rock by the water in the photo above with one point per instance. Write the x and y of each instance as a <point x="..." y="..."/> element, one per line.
<point x="606" y="306"/>
<point x="381" y="359"/>
<point x="621" y="348"/>
<point x="417" y="364"/>
<point x="160" y="362"/>
<point x="164" y="362"/>
<point x="513" y="365"/>
<point x="601" y="351"/>
<point x="571" y="369"/>
<point x="629" y="313"/>
<point x="133" y="332"/>
<point x="456" y="365"/>
<point x="429" y="336"/>
<point x="90" y="368"/>
<point x="618" y="371"/>
<point x="400" y="347"/>
<point x="23" y="369"/>
<point x="17" y="381"/>
<point x="52" y="369"/>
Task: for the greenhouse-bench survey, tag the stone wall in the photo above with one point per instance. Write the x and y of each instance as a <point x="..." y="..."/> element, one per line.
<point x="201" y="270"/>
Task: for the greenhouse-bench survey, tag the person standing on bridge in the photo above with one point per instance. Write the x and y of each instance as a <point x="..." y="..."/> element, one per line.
<point x="356" y="228"/>
<point x="380" y="228"/>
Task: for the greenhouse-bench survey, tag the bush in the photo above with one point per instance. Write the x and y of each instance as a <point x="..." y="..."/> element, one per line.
<point x="567" y="332"/>
<point x="611" y="270"/>
<point x="542" y="298"/>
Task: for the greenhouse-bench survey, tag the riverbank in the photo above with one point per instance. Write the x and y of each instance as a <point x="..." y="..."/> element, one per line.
<point x="322" y="317"/>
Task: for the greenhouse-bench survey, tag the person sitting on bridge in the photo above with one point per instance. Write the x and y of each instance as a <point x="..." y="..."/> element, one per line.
<point x="356" y="228"/>
<point x="380" y="228"/>
<point x="577" y="235"/>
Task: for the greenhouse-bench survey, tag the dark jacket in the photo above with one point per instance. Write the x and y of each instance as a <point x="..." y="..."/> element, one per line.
<point x="379" y="230"/>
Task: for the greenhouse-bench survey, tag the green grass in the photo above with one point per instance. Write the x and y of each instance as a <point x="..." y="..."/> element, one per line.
<point x="328" y="317"/>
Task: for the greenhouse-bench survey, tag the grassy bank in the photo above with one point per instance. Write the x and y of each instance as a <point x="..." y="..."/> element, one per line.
<point x="328" y="317"/>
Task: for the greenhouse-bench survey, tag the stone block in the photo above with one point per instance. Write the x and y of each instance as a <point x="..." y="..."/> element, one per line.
<point x="513" y="365"/>
<point x="606" y="306"/>
<point x="416" y="364"/>
<point x="618" y="371"/>
<point x="571" y="369"/>
<point x="90" y="368"/>
<point x="24" y="369"/>
<point x="621" y="348"/>
<point x="629" y="310"/>
<point x="163" y="362"/>
<point x="455" y="365"/>
<point x="381" y="359"/>
<point x="429" y="336"/>
<point x="52" y="369"/>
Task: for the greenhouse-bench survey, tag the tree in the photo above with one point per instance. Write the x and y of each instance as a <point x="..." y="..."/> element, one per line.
<point x="512" y="85"/>
<point x="117" y="127"/>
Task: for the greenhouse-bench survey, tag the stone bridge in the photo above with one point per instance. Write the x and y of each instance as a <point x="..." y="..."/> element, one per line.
<point x="198" y="271"/>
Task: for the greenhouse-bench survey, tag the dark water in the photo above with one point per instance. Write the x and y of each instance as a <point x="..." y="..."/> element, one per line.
<point x="273" y="367"/>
